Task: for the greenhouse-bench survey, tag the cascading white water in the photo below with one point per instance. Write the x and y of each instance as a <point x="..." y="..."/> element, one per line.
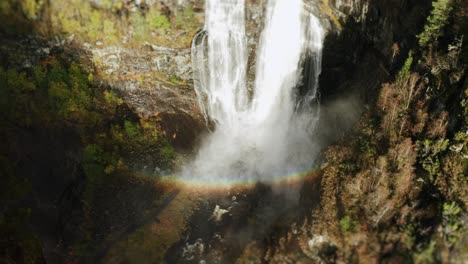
<point x="270" y="134"/>
<point x="221" y="61"/>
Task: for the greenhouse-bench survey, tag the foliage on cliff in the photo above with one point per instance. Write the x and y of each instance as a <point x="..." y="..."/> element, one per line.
<point x="395" y="190"/>
<point x="108" y="22"/>
<point x="436" y="22"/>
<point x="102" y="142"/>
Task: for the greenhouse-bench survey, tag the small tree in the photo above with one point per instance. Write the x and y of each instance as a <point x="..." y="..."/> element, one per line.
<point x="436" y="22"/>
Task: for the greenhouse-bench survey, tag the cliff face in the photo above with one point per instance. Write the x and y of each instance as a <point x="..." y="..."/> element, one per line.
<point x="393" y="190"/>
<point x="368" y="41"/>
<point x="400" y="158"/>
<point x="142" y="49"/>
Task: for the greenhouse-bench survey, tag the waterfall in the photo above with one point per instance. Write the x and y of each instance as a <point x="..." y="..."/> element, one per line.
<point x="220" y="61"/>
<point x="270" y="133"/>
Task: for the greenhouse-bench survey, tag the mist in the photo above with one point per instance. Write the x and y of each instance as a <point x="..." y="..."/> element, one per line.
<point x="270" y="134"/>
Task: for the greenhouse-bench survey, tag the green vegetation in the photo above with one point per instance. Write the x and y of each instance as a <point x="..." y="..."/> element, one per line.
<point x="54" y="96"/>
<point x="430" y="155"/>
<point x="404" y="74"/>
<point x="107" y="21"/>
<point x="31" y="8"/>
<point x="452" y="225"/>
<point x="167" y="154"/>
<point x="48" y="94"/>
<point x="131" y="129"/>
<point x="347" y="224"/>
<point x="464" y="104"/>
<point x="187" y="17"/>
<point x="158" y="21"/>
<point x="366" y="146"/>
<point x="112" y="99"/>
<point x="176" y="80"/>
<point x="436" y="22"/>
<point x="5" y="8"/>
<point x="140" y="27"/>
<point x="426" y="255"/>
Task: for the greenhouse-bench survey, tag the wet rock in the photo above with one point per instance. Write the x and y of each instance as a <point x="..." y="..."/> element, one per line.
<point x="45" y="51"/>
<point x="193" y="251"/>
<point x="70" y="39"/>
<point x="218" y="214"/>
<point x="316" y="243"/>
<point x="320" y="248"/>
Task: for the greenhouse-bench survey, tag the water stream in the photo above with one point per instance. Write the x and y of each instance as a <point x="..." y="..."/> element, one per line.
<point x="271" y="133"/>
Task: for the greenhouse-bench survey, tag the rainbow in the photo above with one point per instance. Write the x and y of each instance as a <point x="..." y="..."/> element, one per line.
<point x="293" y="179"/>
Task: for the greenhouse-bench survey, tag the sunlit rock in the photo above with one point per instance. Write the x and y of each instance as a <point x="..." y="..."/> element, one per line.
<point x="218" y="214"/>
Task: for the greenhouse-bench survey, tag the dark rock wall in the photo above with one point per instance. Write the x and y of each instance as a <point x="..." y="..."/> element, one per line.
<point x="49" y="162"/>
<point x="367" y="43"/>
<point x="371" y="44"/>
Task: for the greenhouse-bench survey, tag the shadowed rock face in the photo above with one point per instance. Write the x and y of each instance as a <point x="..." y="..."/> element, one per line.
<point x="368" y="41"/>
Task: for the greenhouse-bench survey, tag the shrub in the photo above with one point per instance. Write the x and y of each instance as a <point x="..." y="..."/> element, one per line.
<point x="464" y="104"/>
<point x="347" y="224"/>
<point x="95" y="26"/>
<point x="158" y="21"/>
<point x="16" y="97"/>
<point x="31" y="8"/>
<point x="40" y="77"/>
<point x="131" y="129"/>
<point x="112" y="99"/>
<point x="452" y="225"/>
<point x="5" y="8"/>
<point x="429" y="152"/>
<point x="92" y="162"/>
<point x="58" y="97"/>
<point x="426" y="255"/>
<point x="405" y="72"/>
<point x="176" y="80"/>
<point x="109" y="30"/>
<point x="366" y="146"/>
<point x="107" y="4"/>
<point x="69" y="92"/>
<point x="186" y="19"/>
<point x="167" y="154"/>
<point x="139" y="25"/>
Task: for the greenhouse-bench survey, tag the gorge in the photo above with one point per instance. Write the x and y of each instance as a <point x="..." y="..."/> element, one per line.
<point x="233" y="131"/>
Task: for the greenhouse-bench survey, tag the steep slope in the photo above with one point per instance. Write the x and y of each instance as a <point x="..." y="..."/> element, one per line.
<point x="395" y="189"/>
<point x="97" y="98"/>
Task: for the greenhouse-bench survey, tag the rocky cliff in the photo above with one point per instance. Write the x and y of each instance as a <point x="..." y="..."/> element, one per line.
<point x="143" y="51"/>
<point x="95" y="95"/>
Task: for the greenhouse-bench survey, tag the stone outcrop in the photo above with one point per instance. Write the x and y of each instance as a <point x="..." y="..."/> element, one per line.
<point x="152" y="79"/>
